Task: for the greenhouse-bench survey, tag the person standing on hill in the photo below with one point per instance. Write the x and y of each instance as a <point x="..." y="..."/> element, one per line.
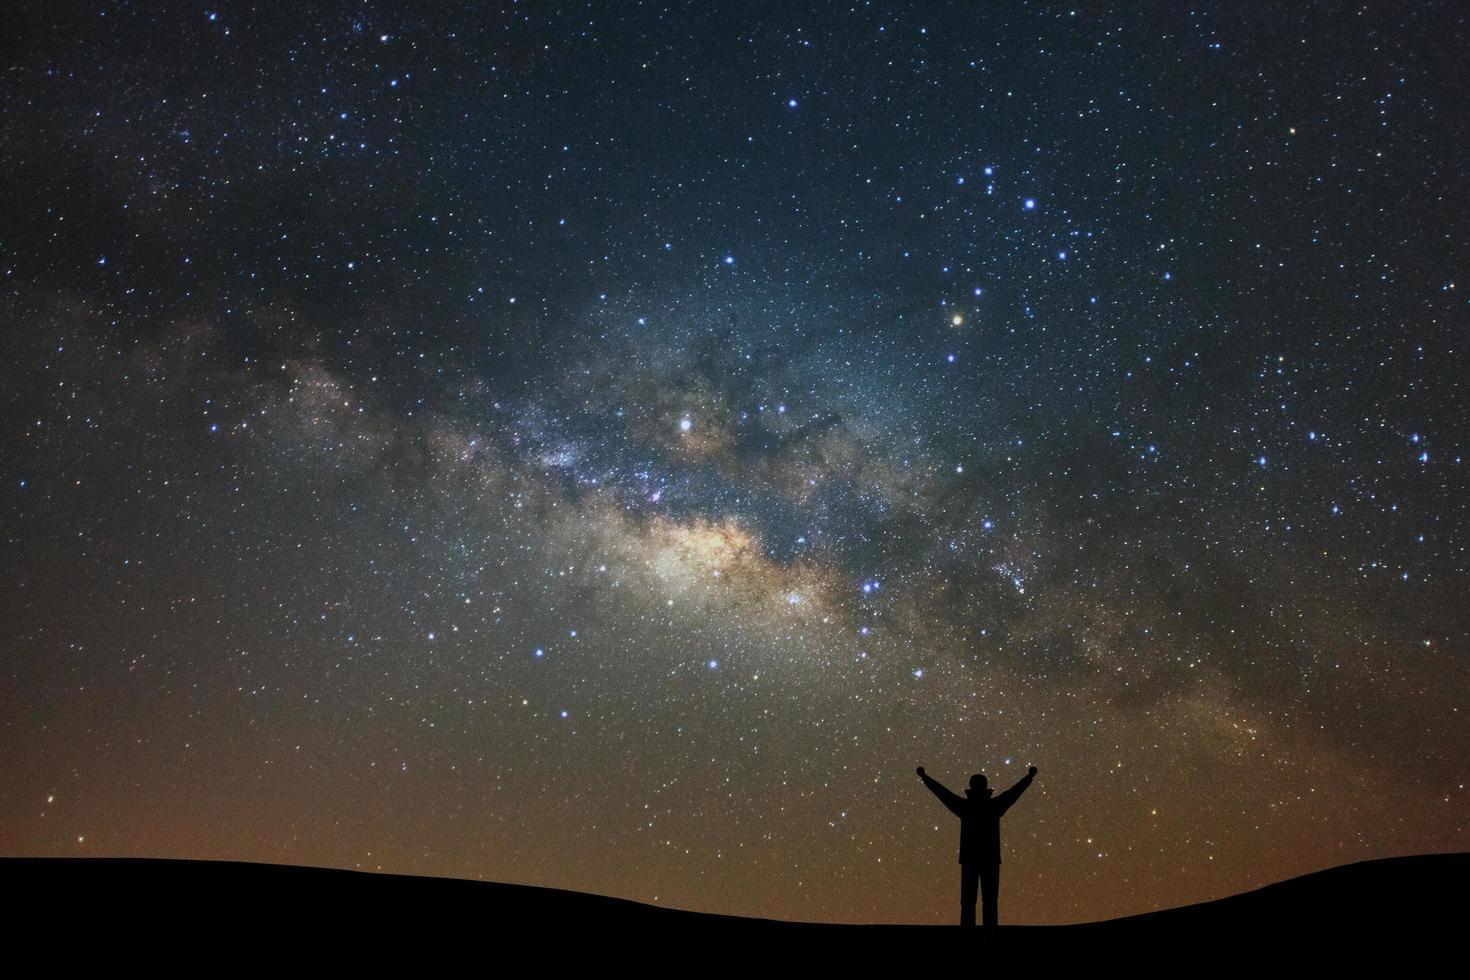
<point x="979" y="814"/>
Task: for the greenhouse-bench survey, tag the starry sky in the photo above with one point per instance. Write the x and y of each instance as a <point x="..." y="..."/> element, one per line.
<point x="609" y="446"/>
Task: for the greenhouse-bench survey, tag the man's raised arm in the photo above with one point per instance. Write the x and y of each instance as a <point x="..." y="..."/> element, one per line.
<point x="1014" y="793"/>
<point x="955" y="804"/>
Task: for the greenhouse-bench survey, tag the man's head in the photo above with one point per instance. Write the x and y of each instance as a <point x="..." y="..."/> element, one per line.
<point x="978" y="786"/>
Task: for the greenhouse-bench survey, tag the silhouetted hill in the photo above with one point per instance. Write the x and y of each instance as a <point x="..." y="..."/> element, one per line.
<point x="201" y="916"/>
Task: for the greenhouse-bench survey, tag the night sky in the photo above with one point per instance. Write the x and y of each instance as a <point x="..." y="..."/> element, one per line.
<point x="610" y="446"/>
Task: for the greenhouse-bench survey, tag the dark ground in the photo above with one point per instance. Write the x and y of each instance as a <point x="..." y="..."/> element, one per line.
<point x="202" y="917"/>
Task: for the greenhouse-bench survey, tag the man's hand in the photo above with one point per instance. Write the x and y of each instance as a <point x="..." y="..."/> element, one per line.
<point x="921" y="772"/>
<point x="1030" y="772"/>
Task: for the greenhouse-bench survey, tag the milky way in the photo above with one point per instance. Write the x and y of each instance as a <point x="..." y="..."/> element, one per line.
<point x="611" y="446"/>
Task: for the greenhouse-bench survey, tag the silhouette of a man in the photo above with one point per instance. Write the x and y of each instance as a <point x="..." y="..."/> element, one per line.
<point x="979" y="815"/>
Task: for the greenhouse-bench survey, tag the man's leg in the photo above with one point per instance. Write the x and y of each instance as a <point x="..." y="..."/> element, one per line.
<point x="969" y="884"/>
<point x="990" y="890"/>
